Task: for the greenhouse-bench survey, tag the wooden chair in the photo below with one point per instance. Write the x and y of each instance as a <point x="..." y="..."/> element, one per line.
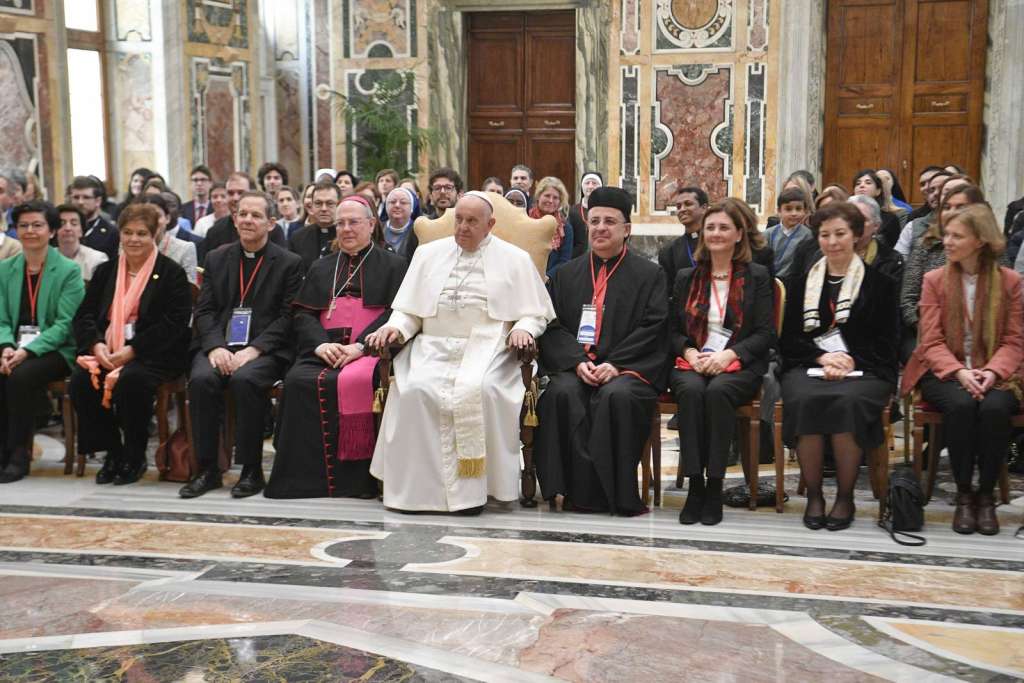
<point x="749" y="432"/>
<point x="176" y="389"/>
<point x="926" y="414"/>
<point x="72" y="461"/>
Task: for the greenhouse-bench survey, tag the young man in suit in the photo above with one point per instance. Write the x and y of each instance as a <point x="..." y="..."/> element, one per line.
<point x="242" y="321"/>
<point x="202" y="182"/>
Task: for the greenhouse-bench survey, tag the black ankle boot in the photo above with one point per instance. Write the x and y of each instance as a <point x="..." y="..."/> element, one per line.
<point x="17" y="466"/>
<point x="690" y="514"/>
<point x="711" y="510"/>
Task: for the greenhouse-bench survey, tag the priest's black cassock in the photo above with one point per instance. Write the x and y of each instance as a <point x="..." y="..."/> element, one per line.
<point x="589" y="441"/>
<point x="315" y="456"/>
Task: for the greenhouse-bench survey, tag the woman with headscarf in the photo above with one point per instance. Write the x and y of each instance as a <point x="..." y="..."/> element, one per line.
<point x="401" y="209"/>
<point x="552" y="199"/>
<point x="517" y="198"/>
<point x="132" y="332"/>
<point x="590" y="181"/>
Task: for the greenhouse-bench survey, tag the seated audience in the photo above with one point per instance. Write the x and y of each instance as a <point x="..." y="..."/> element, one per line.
<point x="314" y="240"/>
<point x="272" y="176"/>
<point x="517" y="198"/>
<point x="181" y="252"/>
<point x="325" y="437"/>
<point x="136" y="181"/>
<point x="968" y="362"/>
<point x="402" y="208"/>
<point x="552" y="199"/>
<point x="201" y="179"/>
<point x="606" y="357"/>
<point x="838" y="348"/>
<point x="445" y="188"/>
<point x="492" y="184"/>
<point x="449" y="434"/>
<point x="243" y="345"/>
<point x="132" y="335"/>
<point x="892" y="194"/>
<point x="345" y="181"/>
<point x="218" y="209"/>
<point x="720" y="335"/>
<point x="829" y="194"/>
<point x="691" y="203"/>
<point x="86" y="194"/>
<point x="69" y="241"/>
<point x="289" y="207"/>
<point x="577" y="217"/>
<point x="786" y="237"/>
<point x="223" y="231"/>
<point x="917" y="226"/>
<point x="868" y="183"/>
<point x="40" y="291"/>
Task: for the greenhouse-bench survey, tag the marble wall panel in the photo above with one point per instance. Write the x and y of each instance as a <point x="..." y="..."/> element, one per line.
<point x="379" y="28"/>
<point x="446" y="85"/>
<point x="322" y="129"/>
<point x="592" y="42"/>
<point x="686" y="25"/>
<point x="133" y="108"/>
<point x="221" y="116"/>
<point x="691" y="140"/>
<point x="288" y="94"/>
<point x="757" y="25"/>
<point x="629" y="35"/>
<point x="630" y="134"/>
<point x="132" y="21"/>
<point x="754" y="147"/>
<point x="219" y="22"/>
<point x="19" y="116"/>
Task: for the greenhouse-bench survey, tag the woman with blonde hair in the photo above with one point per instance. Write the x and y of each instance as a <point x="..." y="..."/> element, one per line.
<point x="552" y="199"/>
<point x="968" y="361"/>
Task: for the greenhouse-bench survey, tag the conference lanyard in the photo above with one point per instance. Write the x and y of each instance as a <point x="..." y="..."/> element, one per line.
<point x="33" y="292"/>
<point x="719" y="304"/>
<point x="689" y="248"/>
<point x="245" y="287"/>
<point x="604" y="282"/>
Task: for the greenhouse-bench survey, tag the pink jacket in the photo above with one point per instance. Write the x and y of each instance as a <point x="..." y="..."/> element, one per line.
<point x="932" y="352"/>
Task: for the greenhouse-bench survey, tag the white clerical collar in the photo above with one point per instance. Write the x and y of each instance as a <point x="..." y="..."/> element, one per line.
<point x="249" y="254"/>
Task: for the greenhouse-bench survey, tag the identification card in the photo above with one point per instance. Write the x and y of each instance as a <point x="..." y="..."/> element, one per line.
<point x="831" y="341"/>
<point x="587" y="333"/>
<point x="718" y="339"/>
<point x="129" y="331"/>
<point x="238" y="327"/>
<point x="27" y="334"/>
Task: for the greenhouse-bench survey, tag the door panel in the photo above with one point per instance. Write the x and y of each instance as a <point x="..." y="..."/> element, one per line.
<point x="522" y="94"/>
<point x="904" y="86"/>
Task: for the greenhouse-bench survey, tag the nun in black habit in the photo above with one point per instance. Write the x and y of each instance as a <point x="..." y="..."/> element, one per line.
<point x="325" y="436"/>
<point x="605" y="355"/>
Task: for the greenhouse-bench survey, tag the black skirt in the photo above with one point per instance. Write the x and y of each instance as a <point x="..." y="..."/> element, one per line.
<point x="812" y="405"/>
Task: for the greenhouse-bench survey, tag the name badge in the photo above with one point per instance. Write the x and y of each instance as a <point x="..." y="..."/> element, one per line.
<point x="718" y="339"/>
<point x="129" y="331"/>
<point x="238" y="327"/>
<point x="831" y="341"/>
<point x="587" y="334"/>
<point x="27" y="334"/>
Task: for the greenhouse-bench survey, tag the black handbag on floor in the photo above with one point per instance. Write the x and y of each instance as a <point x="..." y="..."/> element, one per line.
<point x="905" y="511"/>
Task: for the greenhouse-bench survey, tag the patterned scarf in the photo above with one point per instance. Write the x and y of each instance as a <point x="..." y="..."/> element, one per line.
<point x="698" y="302"/>
<point x="556" y="240"/>
<point x="848" y="292"/>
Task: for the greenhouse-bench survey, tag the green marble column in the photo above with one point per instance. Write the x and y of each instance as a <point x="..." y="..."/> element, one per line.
<point x="446" y="56"/>
<point x="592" y="32"/>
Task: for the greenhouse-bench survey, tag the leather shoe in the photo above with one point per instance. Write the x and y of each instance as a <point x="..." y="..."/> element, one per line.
<point x="207" y="480"/>
<point x="108" y="471"/>
<point x="250" y="483"/>
<point x="814" y="522"/>
<point x="12" y="473"/>
<point x="964" y="518"/>
<point x="838" y="523"/>
<point x="130" y="472"/>
<point x="988" y="523"/>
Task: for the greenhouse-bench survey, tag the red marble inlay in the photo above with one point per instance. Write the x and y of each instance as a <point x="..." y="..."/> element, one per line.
<point x="692" y="113"/>
<point x="289" y="122"/>
<point x="220" y="127"/>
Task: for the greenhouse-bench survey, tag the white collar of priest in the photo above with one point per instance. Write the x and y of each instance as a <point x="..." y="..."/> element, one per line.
<point x="323" y="231"/>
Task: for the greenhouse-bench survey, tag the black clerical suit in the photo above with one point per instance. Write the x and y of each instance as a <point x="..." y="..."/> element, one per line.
<point x="101" y="235"/>
<point x="161" y="353"/>
<point x="275" y="275"/>
<point x="590" y="439"/>
<point x="311" y="243"/>
<point x="223" y="232"/>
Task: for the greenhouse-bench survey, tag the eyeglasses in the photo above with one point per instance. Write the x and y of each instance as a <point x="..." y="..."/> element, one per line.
<point x="443" y="188"/>
<point x="38" y="225"/>
<point x="200" y="179"/>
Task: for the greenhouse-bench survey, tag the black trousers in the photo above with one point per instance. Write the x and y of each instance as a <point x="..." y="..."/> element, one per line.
<point x="248" y="387"/>
<point x="18" y="394"/>
<point x="974" y="431"/>
<point x="100" y="429"/>
<point x="706" y="410"/>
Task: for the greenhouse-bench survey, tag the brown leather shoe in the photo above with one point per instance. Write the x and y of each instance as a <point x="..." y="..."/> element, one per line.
<point x="988" y="523"/>
<point x="964" y="521"/>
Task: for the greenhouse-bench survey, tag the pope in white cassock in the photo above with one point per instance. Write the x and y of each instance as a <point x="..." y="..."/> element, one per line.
<point x="449" y="437"/>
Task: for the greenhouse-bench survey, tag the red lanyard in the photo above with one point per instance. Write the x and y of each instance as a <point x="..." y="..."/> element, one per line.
<point x="246" y="287"/>
<point x="718" y="300"/>
<point x="33" y="292"/>
<point x="603" y="284"/>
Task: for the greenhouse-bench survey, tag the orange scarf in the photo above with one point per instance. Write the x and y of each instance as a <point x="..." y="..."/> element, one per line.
<point x="124" y="307"/>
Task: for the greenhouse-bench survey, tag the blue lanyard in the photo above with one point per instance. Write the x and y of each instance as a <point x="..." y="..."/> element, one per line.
<point x="689" y="249"/>
<point x="785" y="246"/>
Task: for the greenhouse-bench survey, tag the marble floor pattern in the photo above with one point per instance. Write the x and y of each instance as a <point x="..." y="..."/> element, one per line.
<point x="135" y="584"/>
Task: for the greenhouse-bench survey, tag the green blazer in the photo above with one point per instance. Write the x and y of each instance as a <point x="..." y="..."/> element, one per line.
<point x="60" y="292"/>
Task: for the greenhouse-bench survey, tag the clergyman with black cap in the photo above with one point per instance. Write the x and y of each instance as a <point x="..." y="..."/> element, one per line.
<point x="605" y="356"/>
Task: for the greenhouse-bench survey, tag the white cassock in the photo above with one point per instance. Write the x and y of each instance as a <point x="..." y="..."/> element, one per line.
<point x="449" y="436"/>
